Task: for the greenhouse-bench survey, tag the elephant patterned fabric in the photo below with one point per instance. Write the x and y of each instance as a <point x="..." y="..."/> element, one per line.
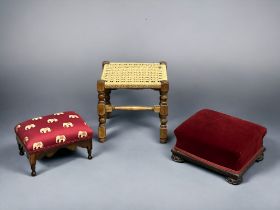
<point x="45" y="132"/>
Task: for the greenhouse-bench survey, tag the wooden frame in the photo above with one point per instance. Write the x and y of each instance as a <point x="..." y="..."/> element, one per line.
<point x="105" y="108"/>
<point x="33" y="157"/>
<point x="232" y="177"/>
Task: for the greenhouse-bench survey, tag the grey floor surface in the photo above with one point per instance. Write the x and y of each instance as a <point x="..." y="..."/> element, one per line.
<point x="222" y="55"/>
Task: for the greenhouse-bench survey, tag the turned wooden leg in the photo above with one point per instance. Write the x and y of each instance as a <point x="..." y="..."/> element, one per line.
<point x="260" y="157"/>
<point x="32" y="161"/>
<point x="163" y="111"/>
<point x="89" y="150"/>
<point x="101" y="110"/>
<point x="234" y="180"/>
<point x="21" y="150"/>
<point x="177" y="159"/>
<point x="108" y="102"/>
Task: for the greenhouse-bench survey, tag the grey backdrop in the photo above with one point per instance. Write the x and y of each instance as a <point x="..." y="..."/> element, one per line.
<point x="222" y="55"/>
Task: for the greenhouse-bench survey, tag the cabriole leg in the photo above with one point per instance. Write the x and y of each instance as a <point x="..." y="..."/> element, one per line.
<point x="32" y="161"/>
<point x="21" y="150"/>
<point x="89" y="149"/>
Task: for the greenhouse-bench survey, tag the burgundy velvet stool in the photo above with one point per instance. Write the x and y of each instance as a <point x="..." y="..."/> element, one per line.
<point x="220" y="142"/>
<point x="43" y="136"/>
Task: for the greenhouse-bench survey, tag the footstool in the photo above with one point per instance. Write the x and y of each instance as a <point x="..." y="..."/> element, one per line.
<point x="220" y="142"/>
<point x="132" y="76"/>
<point x="43" y="136"/>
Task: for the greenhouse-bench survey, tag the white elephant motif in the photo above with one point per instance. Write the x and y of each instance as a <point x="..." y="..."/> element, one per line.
<point x="36" y="118"/>
<point x="52" y="120"/>
<point x="26" y="139"/>
<point x="60" y="139"/>
<point x="67" y="125"/>
<point x="59" y="113"/>
<point x="45" y="130"/>
<point x="73" y="116"/>
<point x="38" y="145"/>
<point x="17" y="127"/>
<point x="28" y="127"/>
<point x="82" y="134"/>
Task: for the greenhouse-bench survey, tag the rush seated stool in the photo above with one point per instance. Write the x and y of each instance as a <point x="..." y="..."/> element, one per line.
<point x="43" y="136"/>
<point x="220" y="142"/>
<point x="132" y="76"/>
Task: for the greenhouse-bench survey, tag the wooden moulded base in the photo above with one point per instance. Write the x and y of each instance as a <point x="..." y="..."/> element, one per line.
<point x="33" y="157"/>
<point x="232" y="177"/>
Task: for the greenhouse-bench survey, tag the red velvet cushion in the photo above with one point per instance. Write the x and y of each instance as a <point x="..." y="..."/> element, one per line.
<point x="42" y="133"/>
<point x="222" y="139"/>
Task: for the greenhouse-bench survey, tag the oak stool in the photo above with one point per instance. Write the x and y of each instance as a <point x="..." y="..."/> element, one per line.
<point x="132" y="76"/>
<point x="220" y="142"/>
<point x="43" y="136"/>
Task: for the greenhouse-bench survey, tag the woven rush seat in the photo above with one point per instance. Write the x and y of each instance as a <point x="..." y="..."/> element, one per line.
<point x="134" y="75"/>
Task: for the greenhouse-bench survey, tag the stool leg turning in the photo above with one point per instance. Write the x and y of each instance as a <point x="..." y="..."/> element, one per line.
<point x="21" y="150"/>
<point x="32" y="161"/>
<point x="101" y="110"/>
<point x="163" y="111"/>
<point x="108" y="102"/>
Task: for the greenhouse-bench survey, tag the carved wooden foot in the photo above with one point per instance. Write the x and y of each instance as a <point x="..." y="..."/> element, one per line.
<point x="21" y="150"/>
<point x="234" y="181"/>
<point x="177" y="158"/>
<point x="260" y="158"/>
<point x="32" y="160"/>
<point x="89" y="149"/>
<point x="101" y="110"/>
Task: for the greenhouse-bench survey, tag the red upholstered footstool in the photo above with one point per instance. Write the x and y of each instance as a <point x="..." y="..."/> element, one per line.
<point x="43" y="136"/>
<point x="219" y="142"/>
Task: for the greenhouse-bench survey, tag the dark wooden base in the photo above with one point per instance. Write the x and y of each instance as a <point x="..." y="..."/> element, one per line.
<point x="232" y="178"/>
<point x="33" y="157"/>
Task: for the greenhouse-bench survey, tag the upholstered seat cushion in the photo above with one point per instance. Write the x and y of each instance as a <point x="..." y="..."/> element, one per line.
<point x="45" y="132"/>
<point x="219" y="138"/>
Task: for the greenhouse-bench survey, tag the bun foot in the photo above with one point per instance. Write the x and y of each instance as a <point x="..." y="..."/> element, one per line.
<point x="177" y="159"/>
<point x="21" y="153"/>
<point x="234" y="181"/>
<point x="260" y="158"/>
<point x="90" y="157"/>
